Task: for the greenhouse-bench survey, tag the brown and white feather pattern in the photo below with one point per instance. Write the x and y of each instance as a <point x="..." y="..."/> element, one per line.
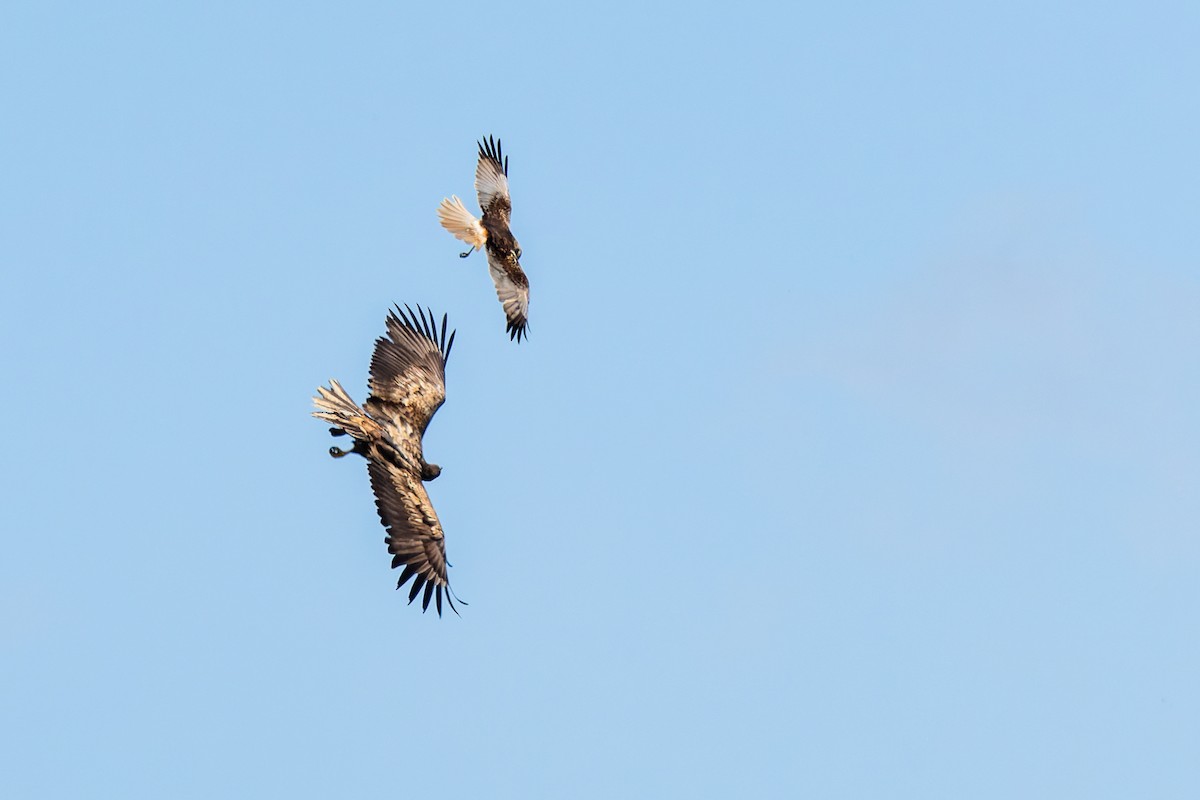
<point x="408" y="385"/>
<point x="512" y="289"/>
<point x="491" y="182"/>
<point x="503" y="250"/>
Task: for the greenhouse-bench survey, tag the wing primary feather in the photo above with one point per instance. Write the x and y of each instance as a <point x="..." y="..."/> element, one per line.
<point x="427" y="323"/>
<point x="448" y="346"/>
<point x="421" y="317"/>
<point x="433" y="333"/>
<point x="411" y="322"/>
<point x="409" y="571"/>
<point x="405" y="321"/>
<point x="439" y="601"/>
<point x="442" y="345"/>
<point x="429" y="587"/>
<point x="418" y="584"/>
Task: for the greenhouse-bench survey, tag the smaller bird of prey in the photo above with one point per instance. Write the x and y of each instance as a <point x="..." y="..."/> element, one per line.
<point x="408" y="385"/>
<point x="492" y="234"/>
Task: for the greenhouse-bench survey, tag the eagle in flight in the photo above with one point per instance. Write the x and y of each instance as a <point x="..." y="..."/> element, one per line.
<point x="407" y="385"/>
<point x="492" y="234"/>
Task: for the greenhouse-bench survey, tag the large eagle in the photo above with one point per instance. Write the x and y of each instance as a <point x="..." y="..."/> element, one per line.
<point x="408" y="384"/>
<point x="492" y="234"/>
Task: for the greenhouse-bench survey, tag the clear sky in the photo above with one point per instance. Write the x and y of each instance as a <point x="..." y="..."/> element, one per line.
<point x="854" y="452"/>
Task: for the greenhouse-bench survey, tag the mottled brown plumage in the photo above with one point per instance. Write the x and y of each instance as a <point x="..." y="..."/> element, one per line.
<point x="408" y="385"/>
<point x="492" y="233"/>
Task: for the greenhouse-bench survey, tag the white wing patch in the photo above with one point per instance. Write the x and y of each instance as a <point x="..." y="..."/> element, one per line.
<point x="460" y="222"/>
<point x="490" y="183"/>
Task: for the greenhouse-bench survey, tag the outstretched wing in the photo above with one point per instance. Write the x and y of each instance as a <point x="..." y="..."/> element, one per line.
<point x="408" y="384"/>
<point x="415" y="537"/>
<point x="408" y="368"/>
<point x="512" y="288"/>
<point x="491" y="182"/>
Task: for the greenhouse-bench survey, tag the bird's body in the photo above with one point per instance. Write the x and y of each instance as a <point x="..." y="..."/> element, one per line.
<point x="492" y="234"/>
<point x="408" y="385"/>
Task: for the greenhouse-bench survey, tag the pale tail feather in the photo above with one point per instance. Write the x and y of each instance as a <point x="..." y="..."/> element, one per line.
<point x="335" y="407"/>
<point x="460" y="222"/>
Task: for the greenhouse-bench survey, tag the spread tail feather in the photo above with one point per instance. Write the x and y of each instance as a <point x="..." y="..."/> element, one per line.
<point x="460" y="222"/>
<point x="335" y="407"/>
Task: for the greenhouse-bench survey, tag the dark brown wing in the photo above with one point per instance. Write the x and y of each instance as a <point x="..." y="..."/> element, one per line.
<point x="408" y="384"/>
<point x="415" y="537"/>
<point x="408" y="367"/>
<point x="491" y="184"/>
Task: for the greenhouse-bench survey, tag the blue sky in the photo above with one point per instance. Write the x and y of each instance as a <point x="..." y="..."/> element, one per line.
<point x="853" y="453"/>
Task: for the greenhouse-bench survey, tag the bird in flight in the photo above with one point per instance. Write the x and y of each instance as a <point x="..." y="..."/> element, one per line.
<point x="407" y="386"/>
<point x="492" y="234"/>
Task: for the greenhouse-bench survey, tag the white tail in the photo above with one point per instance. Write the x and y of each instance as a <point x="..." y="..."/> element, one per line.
<point x="335" y="407"/>
<point x="460" y="222"/>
